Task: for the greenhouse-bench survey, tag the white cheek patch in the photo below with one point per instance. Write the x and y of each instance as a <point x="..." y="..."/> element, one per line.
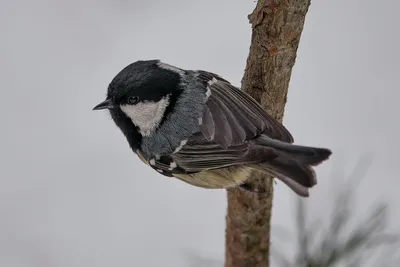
<point x="146" y="115"/>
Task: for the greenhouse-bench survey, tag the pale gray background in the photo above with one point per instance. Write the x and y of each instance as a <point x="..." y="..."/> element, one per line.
<point x="73" y="194"/>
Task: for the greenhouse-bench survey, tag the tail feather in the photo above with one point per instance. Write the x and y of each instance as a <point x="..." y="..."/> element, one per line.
<point x="299" y="177"/>
<point x="293" y="164"/>
<point x="303" y="154"/>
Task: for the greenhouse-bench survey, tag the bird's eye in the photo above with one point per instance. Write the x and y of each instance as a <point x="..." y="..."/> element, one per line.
<point x="133" y="100"/>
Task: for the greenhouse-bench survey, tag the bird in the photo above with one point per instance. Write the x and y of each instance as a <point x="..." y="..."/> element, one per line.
<point x="196" y="126"/>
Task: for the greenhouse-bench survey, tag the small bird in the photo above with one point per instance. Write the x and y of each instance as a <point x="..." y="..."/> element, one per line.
<point x="195" y="126"/>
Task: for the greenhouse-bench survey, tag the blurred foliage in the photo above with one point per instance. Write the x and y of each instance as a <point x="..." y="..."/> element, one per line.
<point x="346" y="240"/>
<point x="343" y="241"/>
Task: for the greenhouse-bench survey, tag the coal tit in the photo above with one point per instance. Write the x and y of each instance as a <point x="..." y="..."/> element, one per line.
<point x="195" y="126"/>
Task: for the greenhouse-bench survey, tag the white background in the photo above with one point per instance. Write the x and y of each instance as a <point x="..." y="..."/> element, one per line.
<point x="71" y="191"/>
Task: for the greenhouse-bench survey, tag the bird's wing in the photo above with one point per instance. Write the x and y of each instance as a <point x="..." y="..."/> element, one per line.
<point x="231" y="116"/>
<point x="230" y="120"/>
<point x="199" y="154"/>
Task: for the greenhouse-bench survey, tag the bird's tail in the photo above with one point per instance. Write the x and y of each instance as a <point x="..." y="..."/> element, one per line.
<point x="303" y="154"/>
<point x="293" y="164"/>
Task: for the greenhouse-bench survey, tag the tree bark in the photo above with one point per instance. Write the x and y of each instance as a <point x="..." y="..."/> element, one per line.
<point x="276" y="31"/>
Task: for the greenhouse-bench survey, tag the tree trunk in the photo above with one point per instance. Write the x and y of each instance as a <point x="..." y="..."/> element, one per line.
<point x="276" y="31"/>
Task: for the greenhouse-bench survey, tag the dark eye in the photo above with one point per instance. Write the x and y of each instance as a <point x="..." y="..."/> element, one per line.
<point x="133" y="100"/>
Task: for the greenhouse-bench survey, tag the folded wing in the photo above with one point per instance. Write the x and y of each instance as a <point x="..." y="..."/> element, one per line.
<point x="231" y="116"/>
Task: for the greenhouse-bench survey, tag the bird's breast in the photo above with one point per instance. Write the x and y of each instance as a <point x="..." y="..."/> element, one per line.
<point x="217" y="178"/>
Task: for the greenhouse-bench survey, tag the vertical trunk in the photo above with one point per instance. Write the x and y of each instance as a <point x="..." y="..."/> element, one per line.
<point x="277" y="27"/>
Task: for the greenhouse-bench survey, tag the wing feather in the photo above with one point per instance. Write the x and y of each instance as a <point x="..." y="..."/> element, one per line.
<point x="208" y="156"/>
<point x="207" y="125"/>
<point x="230" y="120"/>
<point x="222" y="128"/>
<point x="245" y="116"/>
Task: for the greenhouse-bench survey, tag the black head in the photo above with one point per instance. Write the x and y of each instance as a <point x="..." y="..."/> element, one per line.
<point x="138" y="90"/>
<point x="141" y="81"/>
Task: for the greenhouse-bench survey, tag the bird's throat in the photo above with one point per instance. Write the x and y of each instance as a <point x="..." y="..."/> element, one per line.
<point x="147" y="115"/>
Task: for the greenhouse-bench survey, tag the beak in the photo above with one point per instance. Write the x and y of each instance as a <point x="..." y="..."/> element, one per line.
<point x="106" y="104"/>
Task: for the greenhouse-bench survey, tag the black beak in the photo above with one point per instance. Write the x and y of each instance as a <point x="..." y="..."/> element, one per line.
<point x="106" y="104"/>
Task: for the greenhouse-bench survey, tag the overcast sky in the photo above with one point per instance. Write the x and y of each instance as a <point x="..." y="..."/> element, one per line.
<point x="72" y="193"/>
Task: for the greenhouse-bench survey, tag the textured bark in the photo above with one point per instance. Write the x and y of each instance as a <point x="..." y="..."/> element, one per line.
<point x="276" y="31"/>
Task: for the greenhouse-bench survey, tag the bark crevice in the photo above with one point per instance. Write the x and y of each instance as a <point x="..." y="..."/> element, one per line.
<point x="276" y="29"/>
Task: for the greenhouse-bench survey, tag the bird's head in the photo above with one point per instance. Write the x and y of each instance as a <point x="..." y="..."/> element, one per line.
<point x="144" y="91"/>
<point x="141" y="96"/>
